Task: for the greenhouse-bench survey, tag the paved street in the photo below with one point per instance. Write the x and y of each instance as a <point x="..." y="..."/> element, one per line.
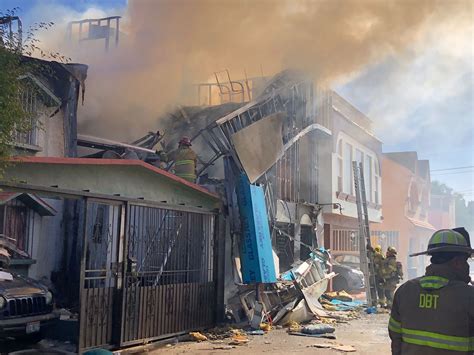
<point x="368" y="335"/>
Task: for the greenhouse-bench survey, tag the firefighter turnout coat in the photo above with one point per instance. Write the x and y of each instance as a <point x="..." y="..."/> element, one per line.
<point x="184" y="162"/>
<point x="433" y="314"/>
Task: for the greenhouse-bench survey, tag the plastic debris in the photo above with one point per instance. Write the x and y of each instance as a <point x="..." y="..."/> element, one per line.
<point x="265" y="327"/>
<point x="318" y="329"/>
<point x="196" y="336"/>
<point x="371" y="310"/>
<point x="347" y="305"/>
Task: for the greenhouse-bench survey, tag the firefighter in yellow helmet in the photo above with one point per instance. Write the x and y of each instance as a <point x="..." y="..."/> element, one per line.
<point x="391" y="273"/>
<point x="379" y="281"/>
<point x="184" y="160"/>
<point x="434" y="314"/>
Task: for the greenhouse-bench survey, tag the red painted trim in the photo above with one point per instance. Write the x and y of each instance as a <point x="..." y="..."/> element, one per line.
<point x="121" y="162"/>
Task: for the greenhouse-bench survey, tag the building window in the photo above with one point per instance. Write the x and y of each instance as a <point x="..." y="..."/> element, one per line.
<point x="339" y="166"/>
<point x="377" y="182"/>
<point x="359" y="158"/>
<point x="30" y="104"/>
<point x="16" y="224"/>
<point x="347" y="169"/>
<point x="368" y="177"/>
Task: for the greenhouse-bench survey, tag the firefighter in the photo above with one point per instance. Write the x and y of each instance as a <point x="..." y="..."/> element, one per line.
<point x="378" y="264"/>
<point x="392" y="274"/>
<point x="184" y="159"/>
<point x="434" y="314"/>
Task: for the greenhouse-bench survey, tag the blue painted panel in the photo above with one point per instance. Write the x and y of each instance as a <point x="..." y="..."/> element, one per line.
<point x="256" y="253"/>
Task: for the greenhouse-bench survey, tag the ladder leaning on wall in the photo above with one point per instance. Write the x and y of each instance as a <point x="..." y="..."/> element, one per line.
<point x="365" y="247"/>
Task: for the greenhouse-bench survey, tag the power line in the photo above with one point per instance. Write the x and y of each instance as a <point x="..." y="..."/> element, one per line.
<point x="456" y="168"/>
<point x="454" y="173"/>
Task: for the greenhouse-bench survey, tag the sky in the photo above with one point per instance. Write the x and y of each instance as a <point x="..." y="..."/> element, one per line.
<point x="422" y="102"/>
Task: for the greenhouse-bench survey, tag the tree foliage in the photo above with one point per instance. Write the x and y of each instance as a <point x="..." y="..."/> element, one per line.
<point x="13" y="49"/>
<point x="13" y="117"/>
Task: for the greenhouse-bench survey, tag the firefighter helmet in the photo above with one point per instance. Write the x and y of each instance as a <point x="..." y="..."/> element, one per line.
<point x="391" y="251"/>
<point x="447" y="240"/>
<point x="185" y="141"/>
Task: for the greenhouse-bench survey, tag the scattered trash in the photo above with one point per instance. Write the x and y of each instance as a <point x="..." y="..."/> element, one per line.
<point x="326" y="320"/>
<point x="338" y="347"/>
<point x="339" y="295"/>
<point x="344" y="348"/>
<point x="301" y="313"/>
<point x="321" y="346"/>
<point x="223" y="347"/>
<point x="239" y="339"/>
<point x="64" y="314"/>
<point x="258" y="309"/>
<point x="256" y="332"/>
<point x="265" y="327"/>
<point x="293" y="326"/>
<point x="196" y="336"/>
<point x="371" y="310"/>
<point x="326" y="336"/>
<point x="318" y="329"/>
<point x="346" y="305"/>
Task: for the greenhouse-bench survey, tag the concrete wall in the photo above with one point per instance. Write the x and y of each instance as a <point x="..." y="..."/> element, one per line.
<point x="396" y="184"/>
<point x="359" y="137"/>
<point x="134" y="181"/>
<point x="51" y="136"/>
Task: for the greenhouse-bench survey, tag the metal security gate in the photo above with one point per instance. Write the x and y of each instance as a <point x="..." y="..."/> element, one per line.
<point x="100" y="274"/>
<point x="169" y="283"/>
<point x="146" y="273"/>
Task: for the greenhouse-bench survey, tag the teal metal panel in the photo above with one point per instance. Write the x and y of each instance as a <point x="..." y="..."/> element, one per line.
<point x="256" y="256"/>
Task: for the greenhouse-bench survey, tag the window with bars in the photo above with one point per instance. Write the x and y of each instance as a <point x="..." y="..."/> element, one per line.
<point x="345" y="240"/>
<point x="30" y="104"/>
<point x="17" y="224"/>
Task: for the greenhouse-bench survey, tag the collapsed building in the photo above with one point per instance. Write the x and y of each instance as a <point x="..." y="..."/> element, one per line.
<point x="125" y="231"/>
<point x="291" y="139"/>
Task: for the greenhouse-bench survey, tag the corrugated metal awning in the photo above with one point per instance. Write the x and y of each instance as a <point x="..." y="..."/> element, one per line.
<point x="421" y="224"/>
<point x="30" y="200"/>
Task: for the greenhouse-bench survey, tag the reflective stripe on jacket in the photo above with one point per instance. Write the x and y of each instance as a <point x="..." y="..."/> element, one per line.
<point x="433" y="314"/>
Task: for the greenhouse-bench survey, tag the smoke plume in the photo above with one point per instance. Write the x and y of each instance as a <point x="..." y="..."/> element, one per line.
<point x="170" y="44"/>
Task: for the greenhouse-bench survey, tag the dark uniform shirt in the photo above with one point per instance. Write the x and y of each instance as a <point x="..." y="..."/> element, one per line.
<point x="433" y="314"/>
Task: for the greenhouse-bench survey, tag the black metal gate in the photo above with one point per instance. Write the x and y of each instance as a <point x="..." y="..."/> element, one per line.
<point x="100" y="279"/>
<point x="145" y="274"/>
<point x="169" y="282"/>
